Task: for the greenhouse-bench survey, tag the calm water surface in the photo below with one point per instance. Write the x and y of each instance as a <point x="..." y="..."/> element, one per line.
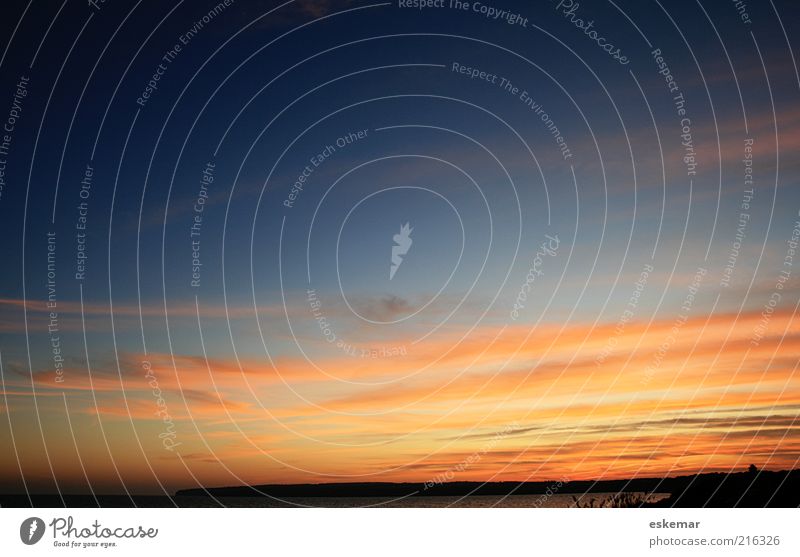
<point x="483" y="501"/>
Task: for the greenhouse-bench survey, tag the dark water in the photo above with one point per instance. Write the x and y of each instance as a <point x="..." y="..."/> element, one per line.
<point x="510" y="501"/>
<point x="482" y="501"/>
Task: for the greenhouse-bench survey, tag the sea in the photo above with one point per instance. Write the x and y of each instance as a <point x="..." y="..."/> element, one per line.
<point x="481" y="501"/>
<point x="557" y="500"/>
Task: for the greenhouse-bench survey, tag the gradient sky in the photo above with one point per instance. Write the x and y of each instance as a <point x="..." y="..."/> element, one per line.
<point x="297" y="359"/>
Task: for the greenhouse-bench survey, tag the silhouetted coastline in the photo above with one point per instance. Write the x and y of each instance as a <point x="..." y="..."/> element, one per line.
<point x="742" y="489"/>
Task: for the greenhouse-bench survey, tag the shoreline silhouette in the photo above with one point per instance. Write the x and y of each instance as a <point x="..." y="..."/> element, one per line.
<point x="752" y="488"/>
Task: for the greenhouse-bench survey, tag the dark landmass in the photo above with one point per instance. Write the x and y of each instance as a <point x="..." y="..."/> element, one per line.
<point x="742" y="489"/>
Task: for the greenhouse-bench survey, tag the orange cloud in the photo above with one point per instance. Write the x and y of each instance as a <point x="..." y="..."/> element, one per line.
<point x="712" y="399"/>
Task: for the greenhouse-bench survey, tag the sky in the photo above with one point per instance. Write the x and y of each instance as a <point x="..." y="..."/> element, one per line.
<point x="206" y="280"/>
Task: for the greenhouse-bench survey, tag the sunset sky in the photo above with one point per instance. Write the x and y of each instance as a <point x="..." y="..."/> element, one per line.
<point x="658" y="331"/>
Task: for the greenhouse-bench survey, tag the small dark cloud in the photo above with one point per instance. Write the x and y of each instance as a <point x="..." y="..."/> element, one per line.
<point x="293" y="14"/>
<point x="319" y="8"/>
<point x="388" y="308"/>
